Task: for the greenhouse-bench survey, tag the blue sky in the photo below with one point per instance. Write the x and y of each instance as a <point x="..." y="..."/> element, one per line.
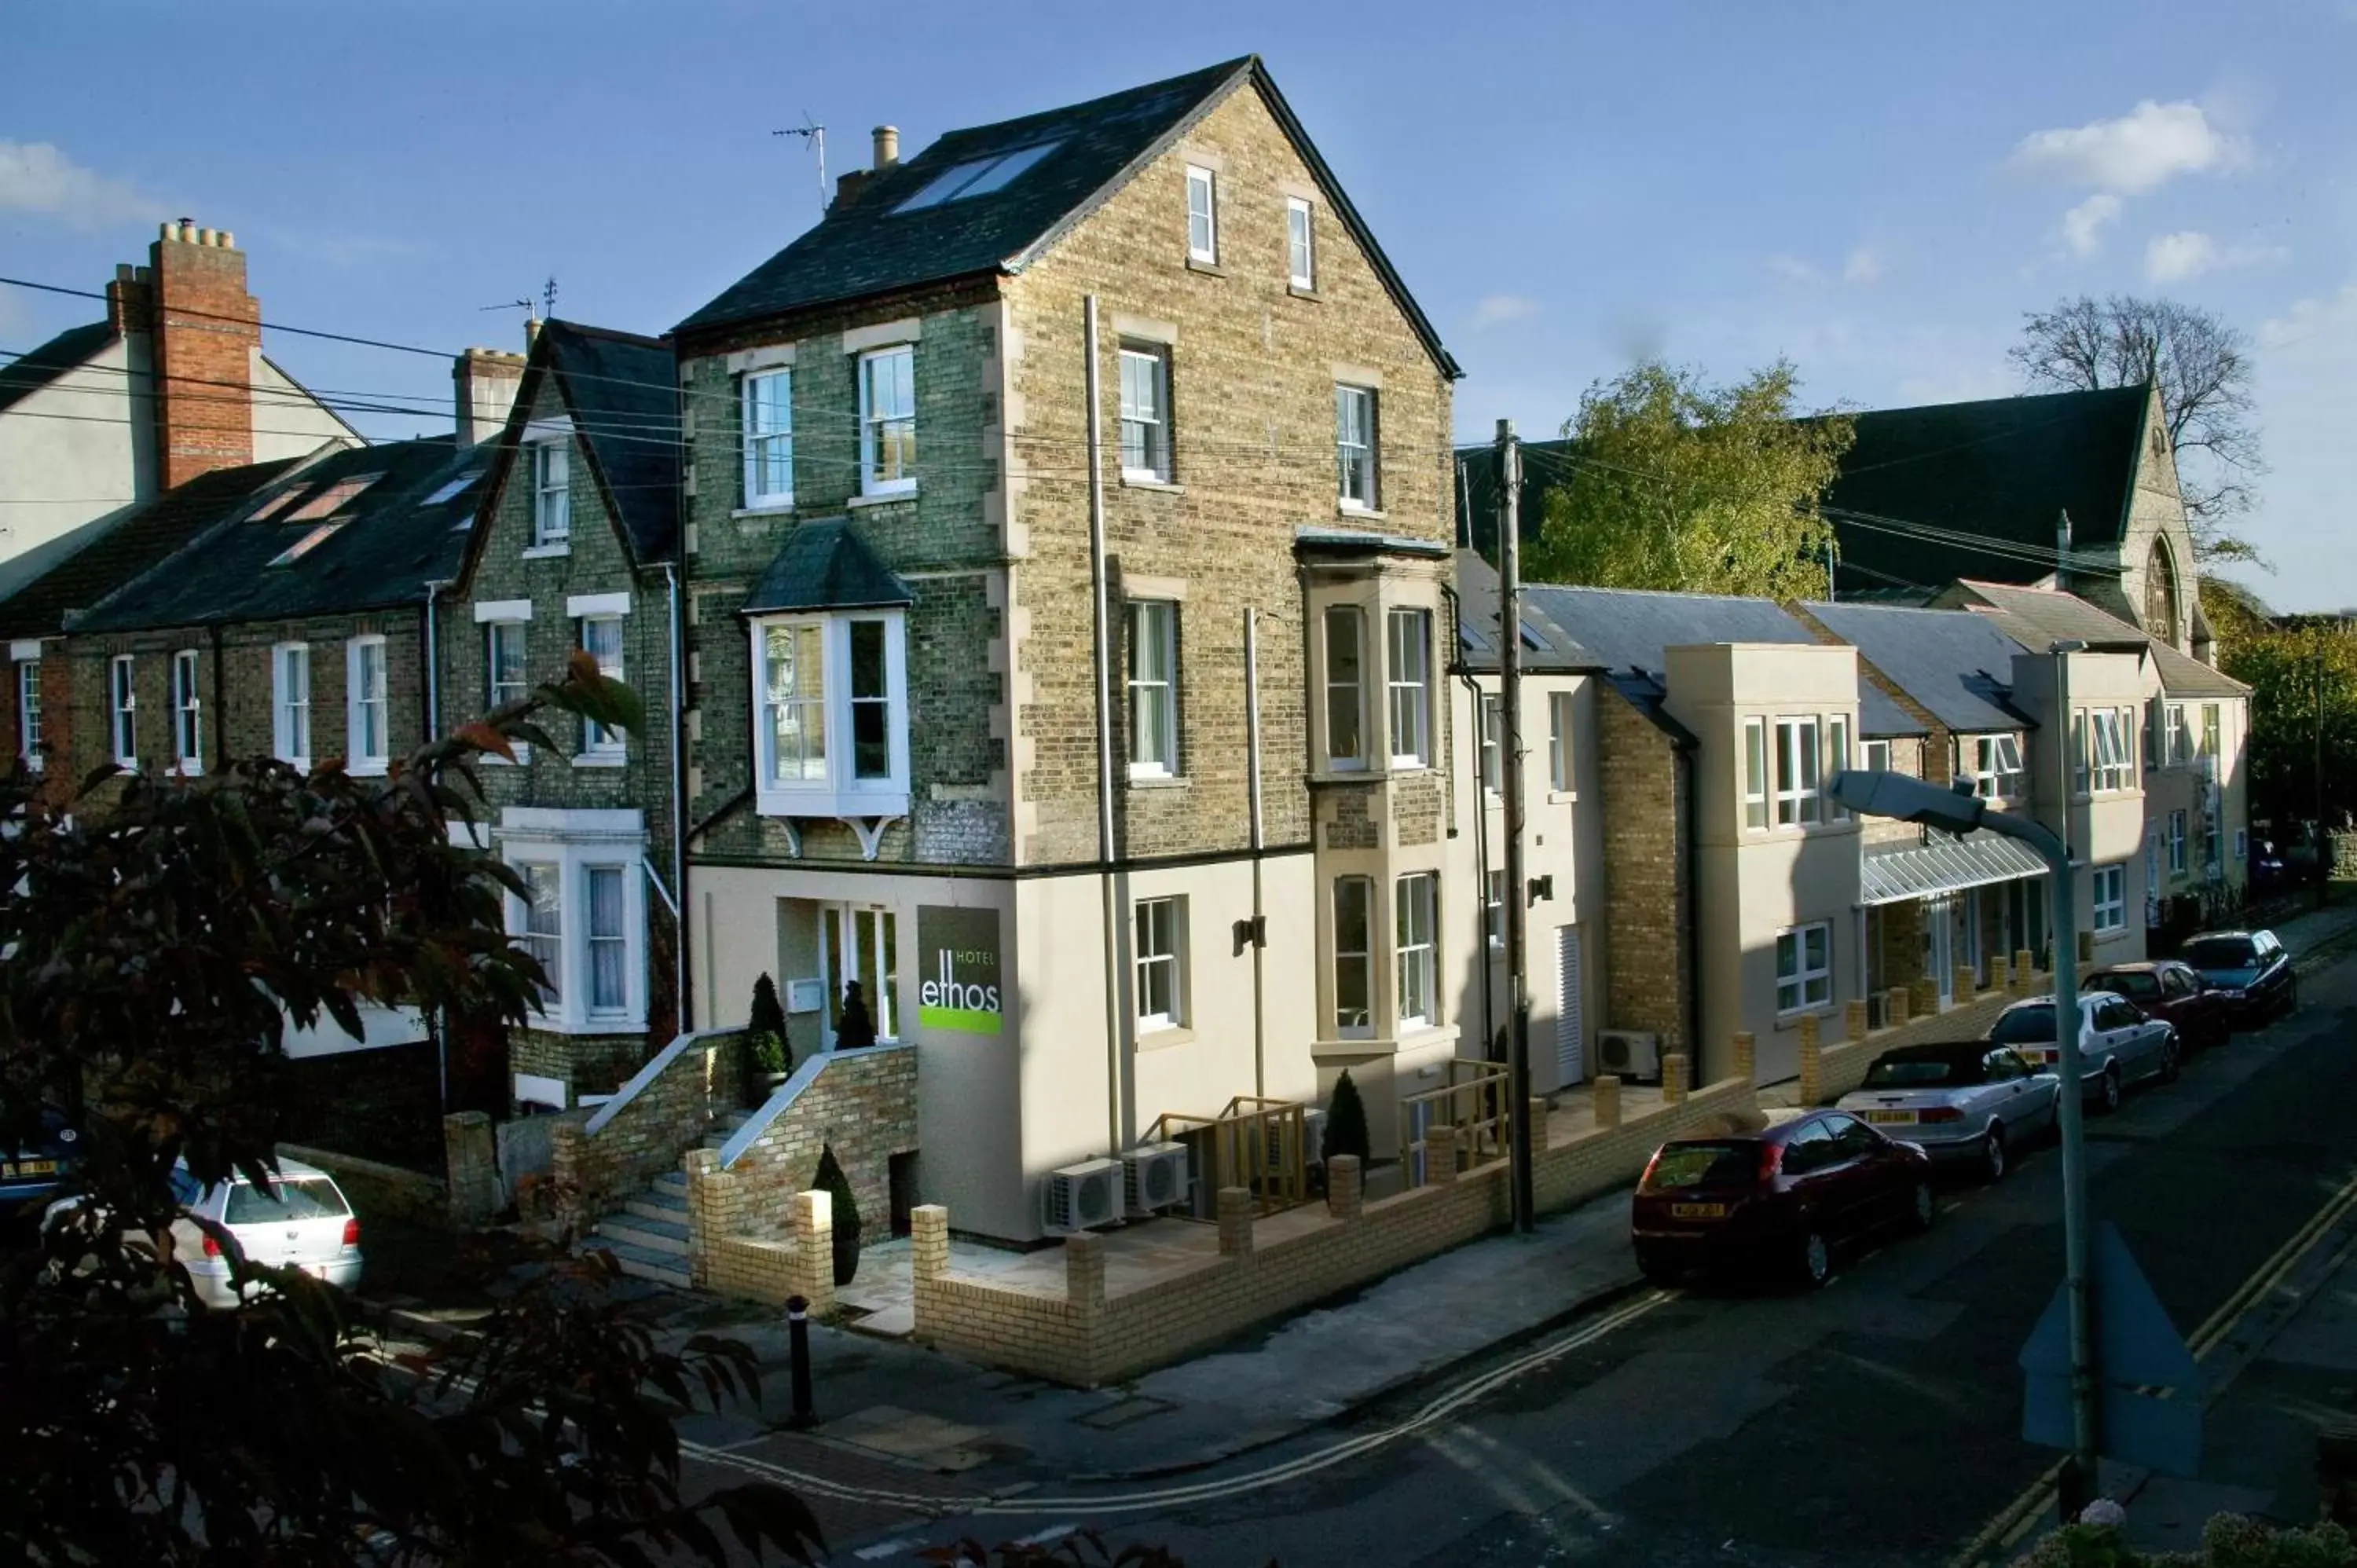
<point x="1876" y="191"/>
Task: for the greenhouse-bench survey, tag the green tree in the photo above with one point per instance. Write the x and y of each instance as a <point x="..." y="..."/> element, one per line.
<point x="2302" y="671"/>
<point x="1670" y="483"/>
<point x="831" y="1181"/>
<point x="765" y="1029"/>
<point x="1346" y="1123"/>
<point x="158" y="936"/>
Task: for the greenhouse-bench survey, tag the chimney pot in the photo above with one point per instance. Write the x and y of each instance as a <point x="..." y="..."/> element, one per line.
<point x="887" y="147"/>
<point x="166" y="230"/>
<point x="209" y="237"/>
<point x="228" y="241"/>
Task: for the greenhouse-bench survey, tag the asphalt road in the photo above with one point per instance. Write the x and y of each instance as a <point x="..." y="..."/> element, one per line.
<point x="1873" y="1422"/>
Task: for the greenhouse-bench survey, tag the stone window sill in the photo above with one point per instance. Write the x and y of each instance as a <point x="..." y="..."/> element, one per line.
<point x="1169" y="1035"/>
<point x="547" y="551"/>
<point x="1147" y="482"/>
<point x="884" y="499"/>
<point x="1361" y="513"/>
<point x="1208" y="269"/>
<point x="1563" y="796"/>
<point x="1311" y="295"/>
<point x="601" y="759"/>
<point x="775" y="509"/>
<point x="375" y="769"/>
<point x="1160" y="781"/>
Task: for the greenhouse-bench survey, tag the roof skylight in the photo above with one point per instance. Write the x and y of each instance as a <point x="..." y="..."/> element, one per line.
<point x="276" y="503"/>
<point x="333" y="498"/>
<point x="452" y="489"/>
<point x="304" y="545"/>
<point x="977" y="176"/>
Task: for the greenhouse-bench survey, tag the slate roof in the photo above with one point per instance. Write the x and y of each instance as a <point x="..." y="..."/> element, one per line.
<point x="825" y="566"/>
<point x="1547" y="647"/>
<point x="391" y="544"/>
<point x="120" y="549"/>
<point x="2038" y="618"/>
<point x="28" y="373"/>
<point x="623" y="391"/>
<point x="1953" y="663"/>
<point x="2002" y="469"/>
<point x="865" y="246"/>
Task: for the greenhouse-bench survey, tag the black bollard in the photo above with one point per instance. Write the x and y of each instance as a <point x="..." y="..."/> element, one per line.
<point x="798" y="1339"/>
<point x="2069" y="1492"/>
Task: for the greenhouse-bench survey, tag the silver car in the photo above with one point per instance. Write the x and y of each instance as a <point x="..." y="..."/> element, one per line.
<point x="305" y="1222"/>
<point x="1969" y="1101"/>
<point x="2118" y="1044"/>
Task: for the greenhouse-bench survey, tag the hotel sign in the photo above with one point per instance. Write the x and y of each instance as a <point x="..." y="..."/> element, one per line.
<point x="957" y="979"/>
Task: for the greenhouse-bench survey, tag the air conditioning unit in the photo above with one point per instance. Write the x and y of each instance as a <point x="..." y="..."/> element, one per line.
<point x="1157" y="1177"/>
<point x="1629" y="1053"/>
<point x="1313" y="1135"/>
<point x="1082" y="1196"/>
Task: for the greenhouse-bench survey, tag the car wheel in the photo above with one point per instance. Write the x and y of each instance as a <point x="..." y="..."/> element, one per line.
<point x="1656" y="1271"/>
<point x="1816" y="1259"/>
<point x="1993" y="1154"/>
<point x="1922" y="1208"/>
<point x="2107" y="1090"/>
<point x="2169" y="1063"/>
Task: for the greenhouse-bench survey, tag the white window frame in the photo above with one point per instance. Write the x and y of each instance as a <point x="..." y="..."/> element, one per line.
<point x="187" y="713"/>
<point x="1408" y="710"/>
<point x="1151" y="627"/>
<point x="599" y="743"/>
<point x="360" y="759"/>
<point x="839" y="791"/>
<point x="1202" y="215"/>
<point x="1416" y="951"/>
<point x="2179" y="737"/>
<point x="1560" y="714"/>
<point x="1872" y="749"/>
<point x="1159" y="927"/>
<point x="1358" y="445"/>
<point x="2109" y="765"/>
<point x="766" y="446"/>
<point x="495" y="633"/>
<point x="290" y="711"/>
<point x="1346" y="696"/>
<point x="1755" y="774"/>
<point x="1993" y="762"/>
<point x="592" y="938"/>
<point x="1360" y="889"/>
<point x="122" y="709"/>
<point x="546" y="945"/>
<point x="1837" y="745"/>
<point x="2177" y="843"/>
<point x="2214" y="732"/>
<point x="1300" y="243"/>
<point x="1143" y="384"/>
<point x="577" y="843"/>
<point x="1490" y="724"/>
<point x="1800" y="801"/>
<point x="28" y="711"/>
<point x="552" y="494"/>
<point x="1801" y="986"/>
<point x="872" y="422"/>
<point x="2109" y="900"/>
<point x="1494" y="911"/>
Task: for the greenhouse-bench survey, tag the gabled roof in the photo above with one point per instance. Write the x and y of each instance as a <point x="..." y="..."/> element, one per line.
<point x="2039" y="617"/>
<point x="1953" y="662"/>
<point x="874" y="243"/>
<point x="621" y="391"/>
<point x="2002" y="469"/>
<point x="112" y="552"/>
<point x="825" y="566"/>
<point x="28" y="373"/>
<point x="372" y="545"/>
<point x="1547" y="647"/>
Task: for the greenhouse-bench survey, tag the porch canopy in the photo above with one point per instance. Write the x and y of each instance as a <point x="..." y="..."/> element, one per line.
<point x="1893" y="873"/>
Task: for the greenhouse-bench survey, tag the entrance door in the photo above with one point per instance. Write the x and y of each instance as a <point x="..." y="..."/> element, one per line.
<point x="1972" y="928"/>
<point x="861" y="943"/>
<point x="1938" y="944"/>
<point x="1570" y="1052"/>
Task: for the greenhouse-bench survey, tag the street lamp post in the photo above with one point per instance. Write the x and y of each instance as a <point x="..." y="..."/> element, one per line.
<point x="1957" y="810"/>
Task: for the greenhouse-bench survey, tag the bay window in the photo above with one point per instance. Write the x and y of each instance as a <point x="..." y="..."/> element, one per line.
<point x="1346" y="745"/>
<point x="1354" y="957"/>
<point x="1755" y="774"/>
<point x="1410" y="684"/>
<point x="1798" y="764"/>
<point x="1415" y="958"/>
<point x="583" y="913"/>
<point x="831" y="723"/>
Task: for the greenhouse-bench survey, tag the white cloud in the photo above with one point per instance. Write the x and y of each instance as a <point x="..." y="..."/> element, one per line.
<point x="2189" y="252"/>
<point x="2310" y="319"/>
<point x="1864" y="264"/>
<point x="2083" y="225"/>
<point x="34" y="177"/>
<point x="1498" y="308"/>
<point x="2147" y="146"/>
<point x="1793" y="269"/>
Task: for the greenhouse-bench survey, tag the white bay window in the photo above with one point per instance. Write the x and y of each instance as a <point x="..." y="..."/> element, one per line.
<point x="582" y="914"/>
<point x="830" y="727"/>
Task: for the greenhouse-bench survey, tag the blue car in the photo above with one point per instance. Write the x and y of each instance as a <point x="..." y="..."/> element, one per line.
<point x="2249" y="969"/>
<point x="31" y="1177"/>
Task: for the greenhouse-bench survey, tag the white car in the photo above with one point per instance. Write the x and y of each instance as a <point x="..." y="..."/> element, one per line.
<point x="303" y="1221"/>
<point x="1968" y="1101"/>
<point x="2118" y="1044"/>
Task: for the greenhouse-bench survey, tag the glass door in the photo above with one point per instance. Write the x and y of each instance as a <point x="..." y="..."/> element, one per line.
<point x="861" y="943"/>
<point x="1939" y="945"/>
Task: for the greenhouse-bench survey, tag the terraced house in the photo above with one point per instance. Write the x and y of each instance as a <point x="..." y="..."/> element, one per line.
<point x="1066" y="534"/>
<point x="574" y="550"/>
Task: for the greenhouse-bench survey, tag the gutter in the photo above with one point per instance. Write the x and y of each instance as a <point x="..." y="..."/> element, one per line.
<point x="1102" y="654"/>
<point x="678" y="806"/>
<point x="1480" y="834"/>
<point x="1690" y="916"/>
<point x="434" y="662"/>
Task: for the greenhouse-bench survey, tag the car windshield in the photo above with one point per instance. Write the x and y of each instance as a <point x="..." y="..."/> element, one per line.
<point x="1913" y="1072"/>
<point x="1702" y="1164"/>
<point x="2136" y="985"/>
<point x="2026" y="1025"/>
<point x="299" y="1198"/>
<point x="2220" y="952"/>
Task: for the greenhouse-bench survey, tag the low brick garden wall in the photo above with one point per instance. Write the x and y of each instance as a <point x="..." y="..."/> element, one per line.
<point x="1085" y="1338"/>
<point x="1840" y="1068"/>
<point x="598" y="1159"/>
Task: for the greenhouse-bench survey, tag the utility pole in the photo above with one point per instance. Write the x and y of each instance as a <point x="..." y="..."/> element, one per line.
<point x="2324" y="841"/>
<point x="2078" y="1478"/>
<point x="1510" y="780"/>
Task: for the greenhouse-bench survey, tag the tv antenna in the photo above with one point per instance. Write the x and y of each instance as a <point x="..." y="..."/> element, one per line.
<point x="540" y="310"/>
<point x="814" y="134"/>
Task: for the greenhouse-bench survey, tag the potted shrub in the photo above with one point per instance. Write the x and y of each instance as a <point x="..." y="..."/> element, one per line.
<point x="1346" y="1123"/>
<point x="831" y="1180"/>
<point x="769" y="1060"/>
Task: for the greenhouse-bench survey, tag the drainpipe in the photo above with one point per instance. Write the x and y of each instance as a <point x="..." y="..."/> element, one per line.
<point x="434" y="662"/>
<point x="679" y="964"/>
<point x="1103" y="655"/>
<point x="1689" y="851"/>
<point x="1481" y="832"/>
<point x="220" y="712"/>
<point x="1252" y="769"/>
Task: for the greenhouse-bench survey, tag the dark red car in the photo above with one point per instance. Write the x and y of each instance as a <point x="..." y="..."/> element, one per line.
<point x="2172" y="993"/>
<point x="1781" y="1201"/>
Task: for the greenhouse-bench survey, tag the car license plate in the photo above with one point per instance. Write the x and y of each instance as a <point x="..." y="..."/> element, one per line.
<point x="1890" y="1118"/>
<point x="1697" y="1211"/>
<point x="28" y="1167"/>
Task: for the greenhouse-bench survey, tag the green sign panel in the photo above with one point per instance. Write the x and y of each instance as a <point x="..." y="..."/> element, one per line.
<point x="957" y="983"/>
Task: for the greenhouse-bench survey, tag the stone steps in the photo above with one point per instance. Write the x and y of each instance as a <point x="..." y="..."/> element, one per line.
<point x="639" y="1263"/>
<point x="656" y="1203"/>
<point x="648" y="1235"/>
<point x="651" y="1235"/>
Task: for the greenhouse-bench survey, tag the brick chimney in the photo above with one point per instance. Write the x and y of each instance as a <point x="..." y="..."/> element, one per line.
<point x="887" y="157"/>
<point x="206" y="329"/>
<point x="484" y="383"/>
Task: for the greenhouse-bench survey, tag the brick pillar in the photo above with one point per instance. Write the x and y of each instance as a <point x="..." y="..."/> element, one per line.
<point x="929" y="1241"/>
<point x="2000" y="973"/>
<point x="1747" y="1055"/>
<point x="1674" y="1077"/>
<point x="711" y="1209"/>
<point x="813" y="1241"/>
<point x="1813" y="1065"/>
<point x="1084" y="1272"/>
<point x="1898" y="1007"/>
<point x="1440" y="1155"/>
<point x="2025" y="971"/>
<point x="1235" y="1221"/>
<point x="2086" y="947"/>
<point x="1539" y="1109"/>
<point x="1345" y="1194"/>
<point x="1968" y="983"/>
<point x="1927" y="997"/>
<point x="566" y="1174"/>
<point x="1853" y="1016"/>
<point x="1607" y="1101"/>
<point x="472" y="1167"/>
